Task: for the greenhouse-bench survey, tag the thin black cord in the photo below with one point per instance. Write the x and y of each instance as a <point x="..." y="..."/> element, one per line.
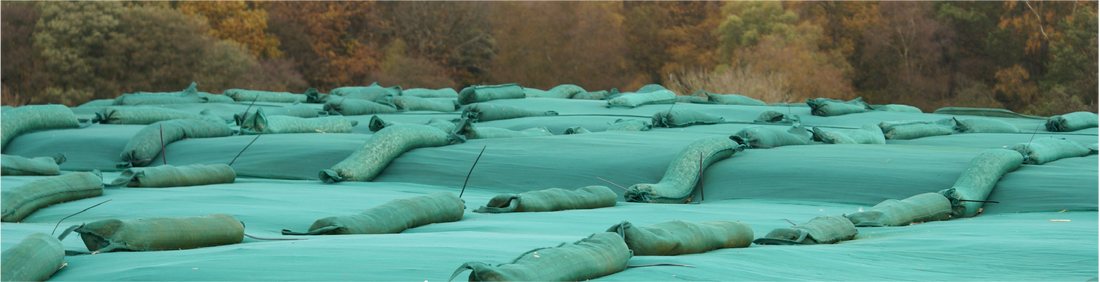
<point x="471" y="171"/>
<point x="71" y="215"/>
<point x="245" y="148"/>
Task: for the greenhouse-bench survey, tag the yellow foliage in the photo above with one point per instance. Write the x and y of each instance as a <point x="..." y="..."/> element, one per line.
<point x="239" y="21"/>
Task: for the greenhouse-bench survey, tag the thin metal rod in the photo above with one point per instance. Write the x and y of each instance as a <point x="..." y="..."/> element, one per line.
<point x="471" y="172"/>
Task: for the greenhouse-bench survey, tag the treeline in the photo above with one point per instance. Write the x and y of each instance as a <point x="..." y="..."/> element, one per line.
<point x="1035" y="57"/>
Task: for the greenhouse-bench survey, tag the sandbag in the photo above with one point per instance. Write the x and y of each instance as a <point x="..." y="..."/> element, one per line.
<point x="978" y="180"/>
<point x="356" y="107"/>
<point x="648" y="88"/>
<point x="386" y="144"/>
<point x="28" y="197"/>
<point x="866" y="134"/>
<point x="312" y="96"/>
<point x="553" y="199"/>
<point x="771" y="137"/>
<point x="485" y="93"/>
<point x="175" y="176"/>
<point x="629" y="125"/>
<point x="483" y="112"/>
<point x="1045" y="150"/>
<point x="97" y="103"/>
<point x="295" y="110"/>
<point x="731" y="99"/>
<point x="189" y="95"/>
<point x="905" y="130"/>
<point x="564" y="91"/>
<point x="693" y="99"/>
<point x="376" y="124"/>
<point x="983" y="125"/>
<point x="146" y="144"/>
<point x="916" y="209"/>
<point x="576" y="130"/>
<point x="597" y="255"/>
<point x="678" y="183"/>
<point x="430" y="93"/>
<point x="25" y="119"/>
<point x="790" y="105"/>
<point x="632" y="100"/>
<point x="141" y="115"/>
<point x="594" y="95"/>
<point x="677" y="237"/>
<point x="392" y="217"/>
<point x="369" y="93"/>
<point x="983" y="112"/>
<point x="1072" y="122"/>
<point x="413" y="103"/>
<point x="897" y="108"/>
<point x="772" y="116"/>
<point x="159" y="233"/>
<point x="683" y="118"/>
<point x="826" y="107"/>
<point x="466" y="128"/>
<point x="17" y="165"/>
<point x="261" y="123"/>
<point x="242" y="95"/>
<point x="35" y="258"/>
<point x="826" y="229"/>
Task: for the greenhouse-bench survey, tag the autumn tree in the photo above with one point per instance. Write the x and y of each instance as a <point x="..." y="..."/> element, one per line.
<point x="665" y="37"/>
<point x="332" y="44"/>
<point x="23" y="75"/>
<point x="453" y="35"/>
<point x="907" y="47"/>
<point x="244" y="22"/>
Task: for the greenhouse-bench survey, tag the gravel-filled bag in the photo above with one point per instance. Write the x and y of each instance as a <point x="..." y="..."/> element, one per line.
<point x="826" y="229"/>
<point x="261" y="123"/>
<point x="369" y="93"/>
<point x="576" y="130"/>
<point x="159" y="233"/>
<point x="564" y="91"/>
<point x="483" y="112"/>
<point x="386" y="144"/>
<point x="598" y="255"/>
<point x="35" y="258"/>
<point x="629" y="125"/>
<point x="678" y="183"/>
<point x="684" y="117"/>
<point x="356" y="107"/>
<point x="314" y="97"/>
<point x="984" y="125"/>
<point x="413" y="103"/>
<point x="17" y="165"/>
<point x="916" y="209"/>
<point x="466" y="128"/>
<point x="677" y="237"/>
<point x="771" y="137"/>
<point x="295" y="110"/>
<point x="983" y="112"/>
<point x="392" y="217"/>
<point x="866" y="134"/>
<point x="242" y="95"/>
<point x="1072" y="122"/>
<point x="828" y="107"/>
<point x="141" y="115"/>
<point x="25" y="119"/>
<point x="977" y="181"/>
<point x="553" y="199"/>
<point x="897" y="108"/>
<point x="189" y="95"/>
<point x="22" y="200"/>
<point x="96" y="103"/>
<point x="905" y="130"/>
<point x="430" y="93"/>
<point x="147" y="143"/>
<point x="593" y="95"/>
<point x="632" y="100"/>
<point x="175" y="176"/>
<point x="485" y="93"/>
<point x="731" y="99"/>
<point x="1045" y="150"/>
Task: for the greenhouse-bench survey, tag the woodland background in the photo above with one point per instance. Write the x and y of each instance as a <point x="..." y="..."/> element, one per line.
<point x="1034" y="57"/>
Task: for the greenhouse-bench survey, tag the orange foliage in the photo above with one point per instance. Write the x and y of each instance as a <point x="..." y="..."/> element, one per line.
<point x="240" y="21"/>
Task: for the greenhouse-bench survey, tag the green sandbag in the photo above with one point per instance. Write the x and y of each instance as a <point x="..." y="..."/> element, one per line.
<point x="97" y="103"/>
<point x="629" y="125"/>
<point x="693" y="99"/>
<point x="594" y="95"/>
<point x="983" y="125"/>
<point x="189" y="95"/>
<point x="413" y="103"/>
<point x="485" y="93"/>
<point x="1045" y="150"/>
<point x="392" y="217"/>
<point x="564" y="91"/>
<point x="369" y="93"/>
<point x="356" y="107"/>
<point x="295" y="110"/>
<point x="25" y="119"/>
<point x="826" y="107"/>
<point x="576" y="130"/>
<point x="553" y="199"/>
<point x="906" y="130"/>
<point x="261" y="123"/>
<point x="597" y="255"/>
<point x="632" y="100"/>
<point x="897" y="108"/>
<point x="771" y="116"/>
<point x="482" y="112"/>
<point x="866" y="134"/>
<point x="826" y="229"/>
<point x="466" y="128"/>
<point x="677" y="237"/>
<point x="1072" y="122"/>
<point x="386" y="144"/>
<point x="312" y="96"/>
<point x="984" y="112"/>
<point x="978" y="180"/>
<point x="5" y="108"/>
<point x="146" y="144"/>
<point x="159" y="233"/>
<point x="35" y="258"/>
<point x="684" y="117"/>
<point x="770" y="137"/>
<point x="430" y="93"/>
<point x="651" y="88"/>
<point x="376" y="124"/>
<point x="790" y="105"/>
<point x="916" y="209"/>
<point x="175" y="176"/>
<point x="242" y="95"/>
<point x="536" y="93"/>
<point x="678" y="183"/>
<point x="17" y="165"/>
<point x="141" y="115"/>
<point x="731" y="99"/>
<point x="28" y="197"/>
